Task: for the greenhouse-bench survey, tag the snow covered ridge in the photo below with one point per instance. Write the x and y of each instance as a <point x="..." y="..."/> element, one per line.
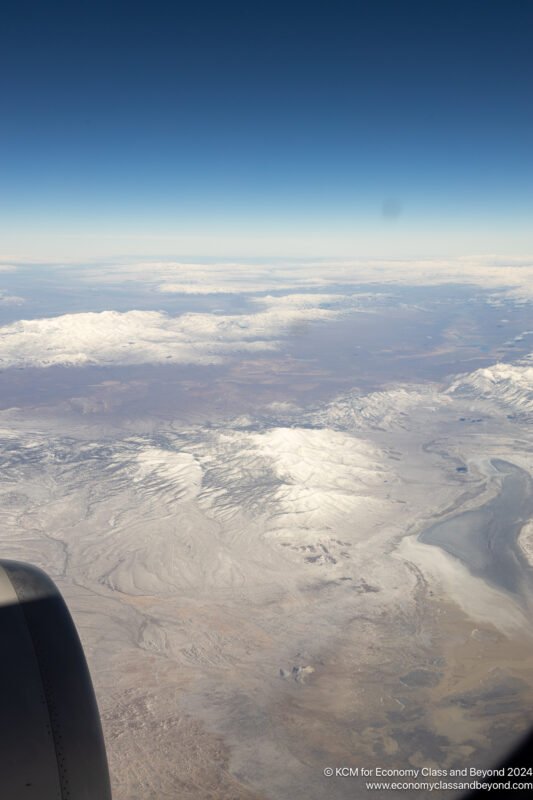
<point x="150" y="337"/>
<point x="319" y="458"/>
<point x="390" y="409"/>
<point x="304" y="482"/>
<point x="297" y="487"/>
<point x="165" y="473"/>
<point x="509" y="385"/>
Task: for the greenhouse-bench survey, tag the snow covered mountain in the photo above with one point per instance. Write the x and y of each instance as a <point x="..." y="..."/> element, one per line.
<point x="507" y="385"/>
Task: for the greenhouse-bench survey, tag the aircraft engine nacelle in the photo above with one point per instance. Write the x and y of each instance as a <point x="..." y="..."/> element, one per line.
<point x="51" y="742"/>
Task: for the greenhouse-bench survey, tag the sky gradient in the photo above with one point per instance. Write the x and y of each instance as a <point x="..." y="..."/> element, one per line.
<point x="353" y="129"/>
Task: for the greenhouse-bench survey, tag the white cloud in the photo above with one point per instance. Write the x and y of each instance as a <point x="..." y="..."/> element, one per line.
<point x="304" y="300"/>
<point x="206" y="288"/>
<point x="141" y="337"/>
<point x="510" y="274"/>
<point x="10" y="299"/>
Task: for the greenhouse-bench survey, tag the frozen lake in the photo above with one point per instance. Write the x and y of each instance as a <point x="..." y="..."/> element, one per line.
<point x="485" y="539"/>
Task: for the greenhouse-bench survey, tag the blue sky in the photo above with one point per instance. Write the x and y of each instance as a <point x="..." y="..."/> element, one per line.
<point x="375" y="128"/>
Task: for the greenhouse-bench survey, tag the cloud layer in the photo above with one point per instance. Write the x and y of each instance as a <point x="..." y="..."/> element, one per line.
<point x="510" y="274"/>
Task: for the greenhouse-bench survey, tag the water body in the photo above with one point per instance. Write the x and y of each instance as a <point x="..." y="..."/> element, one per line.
<point x="485" y="539"/>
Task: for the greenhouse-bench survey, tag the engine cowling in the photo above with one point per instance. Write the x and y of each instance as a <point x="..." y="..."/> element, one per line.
<point x="51" y="741"/>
